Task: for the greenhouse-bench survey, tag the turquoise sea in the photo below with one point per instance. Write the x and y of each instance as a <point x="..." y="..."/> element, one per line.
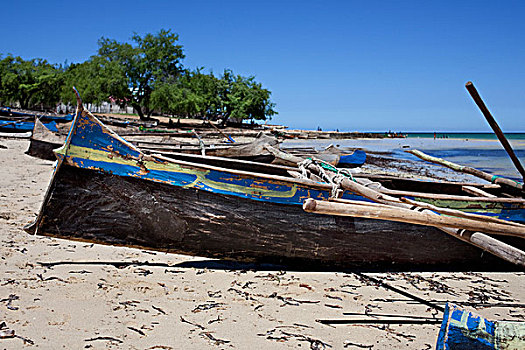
<point x="466" y="135"/>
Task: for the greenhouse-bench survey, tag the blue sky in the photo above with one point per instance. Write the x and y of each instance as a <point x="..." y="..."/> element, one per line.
<point x="350" y="65"/>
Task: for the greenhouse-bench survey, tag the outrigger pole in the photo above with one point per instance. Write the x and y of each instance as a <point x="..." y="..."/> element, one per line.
<point x="494" y="125"/>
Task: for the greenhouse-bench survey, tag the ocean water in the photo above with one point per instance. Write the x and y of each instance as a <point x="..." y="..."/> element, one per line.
<point x="478" y="150"/>
<point x="466" y="135"/>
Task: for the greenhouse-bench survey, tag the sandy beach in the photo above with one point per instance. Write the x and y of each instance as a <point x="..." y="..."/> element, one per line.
<point x="63" y="294"/>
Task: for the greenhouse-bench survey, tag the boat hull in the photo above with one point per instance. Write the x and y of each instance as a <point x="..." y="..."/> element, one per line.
<point x="99" y="207"/>
<point x="23" y="126"/>
<point x="42" y="149"/>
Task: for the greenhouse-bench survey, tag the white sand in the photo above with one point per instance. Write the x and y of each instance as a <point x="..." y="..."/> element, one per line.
<point x="97" y="305"/>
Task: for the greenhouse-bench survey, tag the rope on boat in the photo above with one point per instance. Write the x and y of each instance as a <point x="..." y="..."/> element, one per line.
<point x="324" y="167"/>
<point x="303" y="166"/>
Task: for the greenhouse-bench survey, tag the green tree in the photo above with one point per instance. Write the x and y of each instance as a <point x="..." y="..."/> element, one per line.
<point x="96" y="79"/>
<point x="244" y="98"/>
<point x="193" y="94"/>
<point x="30" y="83"/>
<point x="149" y="62"/>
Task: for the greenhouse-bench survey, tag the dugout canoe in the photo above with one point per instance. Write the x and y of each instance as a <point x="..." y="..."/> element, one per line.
<point x="106" y="190"/>
<point x="23" y="126"/>
<point x="256" y="151"/>
<point x="43" y="141"/>
<point x="15" y="114"/>
<point x="252" y="151"/>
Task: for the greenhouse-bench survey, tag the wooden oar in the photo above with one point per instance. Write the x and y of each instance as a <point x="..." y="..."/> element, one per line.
<point x="494" y="125"/>
<point x="467" y="170"/>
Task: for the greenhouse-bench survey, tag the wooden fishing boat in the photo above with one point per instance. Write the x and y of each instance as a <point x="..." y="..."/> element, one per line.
<point x="462" y="329"/>
<point x="106" y="190"/>
<point x="331" y="154"/>
<point x="253" y="151"/>
<point x="43" y="141"/>
<point x="14" y="114"/>
<point x="23" y="126"/>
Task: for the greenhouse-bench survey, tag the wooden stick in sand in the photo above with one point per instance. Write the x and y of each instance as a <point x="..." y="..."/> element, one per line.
<point x="478" y="239"/>
<point x="494" y="125"/>
<point x="467" y="170"/>
<point x="201" y="143"/>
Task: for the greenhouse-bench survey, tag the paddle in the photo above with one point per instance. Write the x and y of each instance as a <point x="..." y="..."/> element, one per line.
<point x="494" y="125"/>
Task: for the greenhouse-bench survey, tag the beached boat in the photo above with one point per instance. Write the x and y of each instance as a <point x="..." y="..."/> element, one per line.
<point x="43" y="141"/>
<point x="331" y="155"/>
<point x="253" y="151"/>
<point x="256" y="151"/>
<point x="106" y="190"/>
<point x="14" y="114"/>
<point x="462" y="329"/>
<point x="23" y="126"/>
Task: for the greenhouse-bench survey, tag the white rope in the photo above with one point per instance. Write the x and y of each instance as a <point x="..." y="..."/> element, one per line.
<point x="335" y="181"/>
<point x="303" y="166"/>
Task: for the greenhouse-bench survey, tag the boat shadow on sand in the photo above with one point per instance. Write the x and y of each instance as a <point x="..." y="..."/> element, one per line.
<point x="230" y="265"/>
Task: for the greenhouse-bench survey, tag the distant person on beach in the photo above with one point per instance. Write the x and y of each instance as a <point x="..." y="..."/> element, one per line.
<point x="434" y="135"/>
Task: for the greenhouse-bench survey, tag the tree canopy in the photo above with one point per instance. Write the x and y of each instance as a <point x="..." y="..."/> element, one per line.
<point x="29" y="83"/>
<point x="146" y="73"/>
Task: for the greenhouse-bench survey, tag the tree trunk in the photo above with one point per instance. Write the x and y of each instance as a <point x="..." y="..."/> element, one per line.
<point x="224" y="120"/>
<point x="24" y="103"/>
<point x="138" y="108"/>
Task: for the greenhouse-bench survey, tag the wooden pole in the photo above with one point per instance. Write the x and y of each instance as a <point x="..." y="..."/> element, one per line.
<point x="461" y="214"/>
<point x="481" y="240"/>
<point x="228" y="138"/>
<point x="201" y="143"/>
<point x="445" y="211"/>
<point x="467" y="170"/>
<point x="494" y="125"/>
<point x="426" y="218"/>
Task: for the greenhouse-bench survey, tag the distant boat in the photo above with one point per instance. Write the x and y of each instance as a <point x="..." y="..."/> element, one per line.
<point x="15" y="114"/>
<point x="24" y="126"/>
<point x="43" y="141"/>
<point x="106" y="190"/>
